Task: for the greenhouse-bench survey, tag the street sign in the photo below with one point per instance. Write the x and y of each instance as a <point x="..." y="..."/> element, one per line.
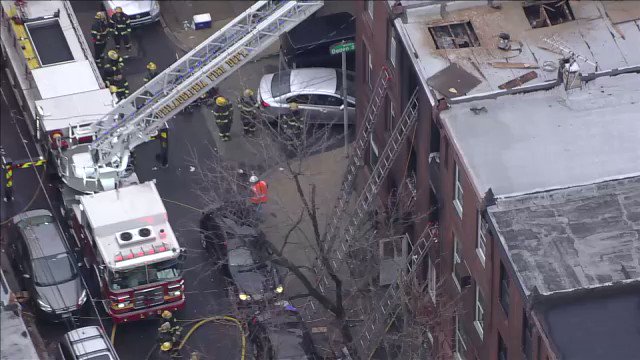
<point x="345" y="46"/>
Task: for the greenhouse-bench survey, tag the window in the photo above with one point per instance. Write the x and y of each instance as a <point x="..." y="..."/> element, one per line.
<point x="392" y="115"/>
<point x="373" y="153"/>
<point x="457" y="260"/>
<point x="527" y="336"/>
<point x="393" y="46"/>
<point x="478" y="321"/>
<point x="299" y="99"/>
<point x="369" y="69"/>
<point x="369" y="4"/>
<point x="504" y="289"/>
<point x="325" y="100"/>
<point x="458" y="192"/>
<point x="432" y="279"/>
<point x="549" y="13"/>
<point x="502" y="348"/>
<point x="481" y="246"/>
<point x="454" y="36"/>
<point x="460" y="346"/>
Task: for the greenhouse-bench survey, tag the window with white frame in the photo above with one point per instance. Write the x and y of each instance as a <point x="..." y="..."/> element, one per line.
<point x="373" y="153"/>
<point x="370" y="4"/>
<point x="478" y="321"/>
<point x="460" y="346"/>
<point x="457" y="260"/>
<point x="432" y="279"/>
<point x="369" y="69"/>
<point x="457" y="193"/>
<point x="481" y="246"/>
<point x="393" y="46"/>
<point x="392" y="115"/>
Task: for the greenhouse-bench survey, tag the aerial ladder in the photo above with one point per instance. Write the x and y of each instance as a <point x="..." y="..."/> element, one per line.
<point x="139" y="117"/>
<point x="362" y="205"/>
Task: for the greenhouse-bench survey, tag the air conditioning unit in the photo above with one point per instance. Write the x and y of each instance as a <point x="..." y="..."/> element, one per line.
<point x="129" y="237"/>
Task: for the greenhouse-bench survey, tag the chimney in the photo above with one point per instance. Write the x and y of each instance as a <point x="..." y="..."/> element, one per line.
<point x="571" y="74"/>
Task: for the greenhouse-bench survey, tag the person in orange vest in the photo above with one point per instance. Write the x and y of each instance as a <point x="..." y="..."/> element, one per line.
<point x="259" y="190"/>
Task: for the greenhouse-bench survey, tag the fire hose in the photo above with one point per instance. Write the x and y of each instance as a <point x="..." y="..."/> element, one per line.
<point x="218" y="318"/>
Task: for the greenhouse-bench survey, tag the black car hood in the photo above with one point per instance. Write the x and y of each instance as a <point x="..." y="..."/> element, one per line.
<point x="251" y="283"/>
<point x="62" y="296"/>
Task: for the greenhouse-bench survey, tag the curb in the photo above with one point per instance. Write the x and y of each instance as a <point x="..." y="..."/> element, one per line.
<point x="174" y="39"/>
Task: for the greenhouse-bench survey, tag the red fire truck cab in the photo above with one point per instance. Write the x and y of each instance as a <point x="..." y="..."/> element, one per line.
<point x="127" y="241"/>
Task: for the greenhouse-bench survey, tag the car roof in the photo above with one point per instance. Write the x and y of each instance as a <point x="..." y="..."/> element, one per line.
<point x="41" y="239"/>
<point x="240" y="256"/>
<point x="314" y="80"/>
<point x="88" y="342"/>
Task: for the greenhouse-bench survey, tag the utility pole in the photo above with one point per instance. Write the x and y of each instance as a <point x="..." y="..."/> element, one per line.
<point x="343" y="48"/>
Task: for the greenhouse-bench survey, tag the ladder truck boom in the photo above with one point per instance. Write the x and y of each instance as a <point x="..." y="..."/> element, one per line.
<point x="136" y="119"/>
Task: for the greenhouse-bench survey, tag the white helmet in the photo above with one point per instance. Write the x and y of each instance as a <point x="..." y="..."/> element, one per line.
<point x="253" y="179"/>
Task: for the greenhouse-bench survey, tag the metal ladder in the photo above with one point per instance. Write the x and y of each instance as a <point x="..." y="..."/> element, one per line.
<point x="355" y="161"/>
<point x="390" y="152"/>
<point x="135" y="119"/>
<point x="385" y="312"/>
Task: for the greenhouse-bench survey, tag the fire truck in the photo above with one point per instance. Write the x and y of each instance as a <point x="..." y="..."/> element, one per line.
<point x="89" y="138"/>
<point x="127" y="241"/>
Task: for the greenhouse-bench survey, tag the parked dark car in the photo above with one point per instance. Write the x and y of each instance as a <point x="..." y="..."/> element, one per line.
<point x="280" y="334"/>
<point x="87" y="343"/>
<point x="255" y="279"/>
<point x="47" y="268"/>
<point x="307" y="45"/>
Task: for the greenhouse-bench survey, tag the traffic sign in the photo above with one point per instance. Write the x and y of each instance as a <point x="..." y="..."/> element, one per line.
<point x="345" y="46"/>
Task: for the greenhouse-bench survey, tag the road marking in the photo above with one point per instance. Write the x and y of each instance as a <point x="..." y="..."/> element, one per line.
<point x="113" y="332"/>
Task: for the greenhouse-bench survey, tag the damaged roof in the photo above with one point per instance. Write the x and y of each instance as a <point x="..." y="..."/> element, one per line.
<point x="604" y="35"/>
<point x="549" y="139"/>
<point x="567" y="239"/>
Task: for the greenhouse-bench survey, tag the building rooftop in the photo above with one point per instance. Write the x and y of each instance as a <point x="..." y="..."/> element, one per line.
<point x="595" y="325"/>
<point x="550" y="139"/>
<point x="567" y="239"/>
<point x="455" y="44"/>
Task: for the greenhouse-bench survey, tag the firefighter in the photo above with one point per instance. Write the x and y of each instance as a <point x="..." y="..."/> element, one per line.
<point x="99" y="35"/>
<point x="122" y="86"/>
<point x="121" y="27"/>
<point x="152" y="72"/>
<point x="248" y="105"/>
<point x="113" y="66"/>
<point x="222" y="111"/>
<point x="292" y="124"/>
<point x="259" y="192"/>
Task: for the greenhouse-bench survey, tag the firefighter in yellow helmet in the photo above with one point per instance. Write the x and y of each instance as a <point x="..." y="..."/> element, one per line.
<point x="113" y="66"/>
<point x="152" y="71"/>
<point x="292" y="125"/>
<point x="121" y="27"/>
<point x="99" y="36"/>
<point x="248" y="105"/>
<point x="223" y="113"/>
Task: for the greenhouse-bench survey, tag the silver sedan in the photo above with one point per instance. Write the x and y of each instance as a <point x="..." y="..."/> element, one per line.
<point x="317" y="91"/>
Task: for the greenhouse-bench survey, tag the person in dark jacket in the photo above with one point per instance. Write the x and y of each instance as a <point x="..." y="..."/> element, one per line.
<point x="292" y="125"/>
<point x="248" y="105"/>
<point x="122" y="86"/>
<point x="121" y="27"/>
<point x="223" y="113"/>
<point x="152" y="72"/>
<point x="113" y="66"/>
<point x="99" y="36"/>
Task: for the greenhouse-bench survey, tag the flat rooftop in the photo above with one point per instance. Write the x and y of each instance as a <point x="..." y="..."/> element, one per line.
<point x="562" y="240"/>
<point x="596" y="326"/>
<point x="550" y="139"/>
<point x="605" y="34"/>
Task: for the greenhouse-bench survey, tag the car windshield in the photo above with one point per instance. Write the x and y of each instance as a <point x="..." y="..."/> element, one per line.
<point x="242" y="260"/>
<point x="150" y="273"/>
<point x="53" y="270"/>
<point x="281" y="83"/>
<point x="351" y="77"/>
<point x="36" y="220"/>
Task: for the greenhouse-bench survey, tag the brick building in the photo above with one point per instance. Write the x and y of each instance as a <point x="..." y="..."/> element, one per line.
<point x="508" y="121"/>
